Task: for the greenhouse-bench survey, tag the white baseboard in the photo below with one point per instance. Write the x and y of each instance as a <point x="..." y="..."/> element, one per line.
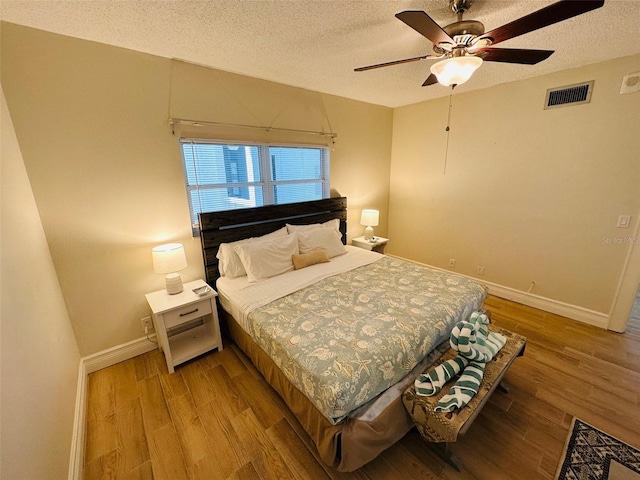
<point x="118" y="354"/>
<point x="76" y="456"/>
<point x="573" y="312"/>
<point x="90" y="364"/>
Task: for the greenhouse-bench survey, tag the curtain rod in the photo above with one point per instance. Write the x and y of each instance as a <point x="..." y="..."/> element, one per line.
<point x="194" y="123"/>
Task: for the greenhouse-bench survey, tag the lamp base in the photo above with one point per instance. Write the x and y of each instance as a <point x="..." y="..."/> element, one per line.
<point x="368" y="233"/>
<point x="173" y="283"/>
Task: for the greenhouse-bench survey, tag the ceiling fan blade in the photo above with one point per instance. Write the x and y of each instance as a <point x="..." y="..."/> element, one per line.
<point x="431" y="80"/>
<point x="513" y="55"/>
<point x="556" y="12"/>
<point x="425" y="26"/>
<point x="395" y="62"/>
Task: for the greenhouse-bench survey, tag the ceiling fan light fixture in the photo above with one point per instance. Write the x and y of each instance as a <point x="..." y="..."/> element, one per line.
<point x="456" y="70"/>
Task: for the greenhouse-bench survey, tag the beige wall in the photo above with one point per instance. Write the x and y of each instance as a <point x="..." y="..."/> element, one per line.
<point x="92" y="123"/>
<point x="528" y="193"/>
<point x="40" y="357"/>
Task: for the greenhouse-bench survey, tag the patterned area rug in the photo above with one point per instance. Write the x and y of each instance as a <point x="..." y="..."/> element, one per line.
<point x="594" y="455"/>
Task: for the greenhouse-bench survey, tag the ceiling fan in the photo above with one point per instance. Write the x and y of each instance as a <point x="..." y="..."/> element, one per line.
<point x="464" y="45"/>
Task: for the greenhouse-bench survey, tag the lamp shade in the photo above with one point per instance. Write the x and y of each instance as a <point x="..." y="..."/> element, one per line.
<point x="369" y="218"/>
<point x="169" y="258"/>
<point x="456" y="70"/>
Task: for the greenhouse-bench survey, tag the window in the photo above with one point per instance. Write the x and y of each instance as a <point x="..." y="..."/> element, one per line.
<point x="226" y="176"/>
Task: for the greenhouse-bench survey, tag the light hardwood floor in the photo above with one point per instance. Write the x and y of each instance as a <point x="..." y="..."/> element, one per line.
<point x="216" y="418"/>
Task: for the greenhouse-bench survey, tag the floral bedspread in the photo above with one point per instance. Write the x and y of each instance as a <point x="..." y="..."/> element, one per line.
<point x="349" y="337"/>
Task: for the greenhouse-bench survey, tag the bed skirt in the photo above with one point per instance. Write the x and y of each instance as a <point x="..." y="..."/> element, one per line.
<point x="346" y="446"/>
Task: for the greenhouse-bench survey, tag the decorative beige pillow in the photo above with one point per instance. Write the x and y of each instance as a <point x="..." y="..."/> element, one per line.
<point x="307" y="259"/>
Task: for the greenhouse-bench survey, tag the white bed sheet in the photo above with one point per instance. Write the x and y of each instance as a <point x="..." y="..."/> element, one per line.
<point x="239" y="297"/>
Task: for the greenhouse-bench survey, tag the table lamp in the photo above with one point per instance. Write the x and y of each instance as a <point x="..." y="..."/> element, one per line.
<point x="369" y="218"/>
<point x="170" y="259"/>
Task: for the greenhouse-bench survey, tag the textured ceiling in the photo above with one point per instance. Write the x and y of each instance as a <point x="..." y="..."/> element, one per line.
<point x="316" y="44"/>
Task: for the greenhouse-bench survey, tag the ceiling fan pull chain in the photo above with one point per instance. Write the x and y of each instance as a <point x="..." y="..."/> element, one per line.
<point x="449" y="114"/>
<point x="447" y="129"/>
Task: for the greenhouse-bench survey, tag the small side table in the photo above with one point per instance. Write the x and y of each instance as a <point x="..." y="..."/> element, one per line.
<point x="186" y="324"/>
<point x="377" y="245"/>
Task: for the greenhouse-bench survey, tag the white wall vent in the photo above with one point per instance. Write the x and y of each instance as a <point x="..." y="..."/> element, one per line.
<point x="630" y="83"/>
<point x="569" y="95"/>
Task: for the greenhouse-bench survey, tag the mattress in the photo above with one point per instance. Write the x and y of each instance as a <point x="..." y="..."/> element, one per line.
<point x="359" y="438"/>
<point x="346" y="331"/>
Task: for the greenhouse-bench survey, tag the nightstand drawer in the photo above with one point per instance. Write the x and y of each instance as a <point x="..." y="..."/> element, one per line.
<point x="186" y="313"/>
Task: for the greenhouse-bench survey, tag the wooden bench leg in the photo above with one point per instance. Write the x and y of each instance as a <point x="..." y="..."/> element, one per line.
<point x="503" y="387"/>
<point x="444" y="451"/>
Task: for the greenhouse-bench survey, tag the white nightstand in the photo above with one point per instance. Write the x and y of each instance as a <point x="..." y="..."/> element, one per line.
<point x="377" y="245"/>
<point x="186" y="324"/>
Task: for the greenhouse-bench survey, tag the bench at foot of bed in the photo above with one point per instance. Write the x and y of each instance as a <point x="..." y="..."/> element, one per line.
<point x="443" y="428"/>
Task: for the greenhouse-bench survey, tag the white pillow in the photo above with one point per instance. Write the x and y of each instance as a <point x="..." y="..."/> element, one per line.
<point x="268" y="258"/>
<point x="229" y="263"/>
<point x="335" y="224"/>
<point x="325" y="238"/>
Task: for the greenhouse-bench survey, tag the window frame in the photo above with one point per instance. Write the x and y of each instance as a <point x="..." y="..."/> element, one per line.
<point x="265" y="182"/>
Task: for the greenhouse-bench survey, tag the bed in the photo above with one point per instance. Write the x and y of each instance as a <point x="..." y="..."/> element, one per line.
<point x="340" y="339"/>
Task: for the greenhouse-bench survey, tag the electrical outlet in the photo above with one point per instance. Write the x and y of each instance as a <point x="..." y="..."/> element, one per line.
<point x="624" y="221"/>
<point x="480" y="270"/>
<point x="452" y="262"/>
<point x="147" y="325"/>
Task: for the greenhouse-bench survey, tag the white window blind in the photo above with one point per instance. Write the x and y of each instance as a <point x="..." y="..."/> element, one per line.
<point x="226" y="176"/>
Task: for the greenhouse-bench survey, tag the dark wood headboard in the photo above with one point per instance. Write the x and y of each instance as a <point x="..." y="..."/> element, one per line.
<point x="232" y="225"/>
